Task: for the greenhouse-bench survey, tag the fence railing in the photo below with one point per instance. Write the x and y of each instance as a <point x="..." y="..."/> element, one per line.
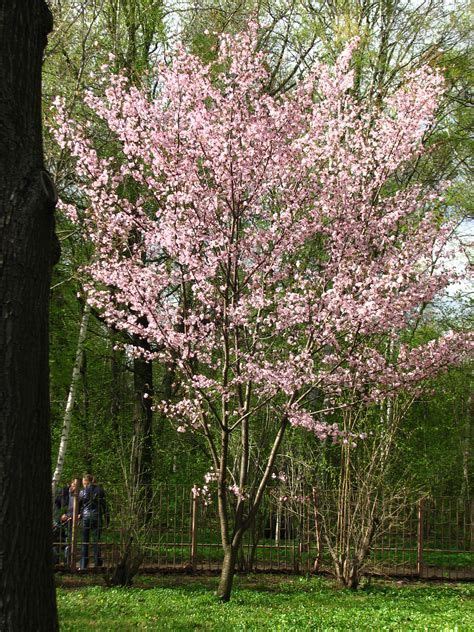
<point x="430" y="538"/>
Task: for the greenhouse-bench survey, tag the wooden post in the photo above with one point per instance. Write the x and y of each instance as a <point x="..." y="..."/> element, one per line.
<point x="419" y="548"/>
<point x="75" y="512"/>
<point x="194" y="510"/>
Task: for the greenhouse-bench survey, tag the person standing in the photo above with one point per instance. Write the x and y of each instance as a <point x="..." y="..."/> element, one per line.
<point x="94" y="513"/>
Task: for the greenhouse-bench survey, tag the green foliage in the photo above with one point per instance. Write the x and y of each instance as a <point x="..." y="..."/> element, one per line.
<point x="264" y="603"/>
<point x="435" y="441"/>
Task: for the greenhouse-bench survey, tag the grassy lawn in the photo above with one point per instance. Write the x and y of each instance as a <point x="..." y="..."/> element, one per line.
<point x="263" y="603"/>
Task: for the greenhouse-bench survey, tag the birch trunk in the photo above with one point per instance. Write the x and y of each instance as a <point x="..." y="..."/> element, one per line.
<point x="76" y="372"/>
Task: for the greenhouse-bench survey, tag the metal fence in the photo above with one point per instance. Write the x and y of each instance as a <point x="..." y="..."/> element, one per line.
<point x="430" y="538"/>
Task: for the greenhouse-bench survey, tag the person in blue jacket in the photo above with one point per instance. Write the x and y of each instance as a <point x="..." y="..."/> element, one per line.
<point x="94" y="513"/>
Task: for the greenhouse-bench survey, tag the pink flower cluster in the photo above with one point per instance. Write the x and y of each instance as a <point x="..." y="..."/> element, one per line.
<point x="300" y="418"/>
<point x="239" y="493"/>
<point x="203" y="493"/>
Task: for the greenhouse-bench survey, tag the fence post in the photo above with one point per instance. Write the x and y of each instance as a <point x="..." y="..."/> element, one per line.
<point x="194" y="510"/>
<point x="419" y="547"/>
<point x="75" y="512"/>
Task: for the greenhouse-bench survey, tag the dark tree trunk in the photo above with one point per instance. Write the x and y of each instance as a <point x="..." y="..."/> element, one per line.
<point x="87" y="431"/>
<point x="27" y="251"/>
<point x="143" y="426"/>
<point x="116" y="390"/>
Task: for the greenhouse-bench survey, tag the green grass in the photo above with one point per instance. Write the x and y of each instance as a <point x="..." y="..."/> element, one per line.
<point x="436" y="559"/>
<point x="262" y="602"/>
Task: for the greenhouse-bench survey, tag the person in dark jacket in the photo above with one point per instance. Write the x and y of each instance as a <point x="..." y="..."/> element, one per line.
<point x="95" y="515"/>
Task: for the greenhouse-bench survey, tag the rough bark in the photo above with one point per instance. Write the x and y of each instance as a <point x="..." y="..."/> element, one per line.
<point x="28" y="249"/>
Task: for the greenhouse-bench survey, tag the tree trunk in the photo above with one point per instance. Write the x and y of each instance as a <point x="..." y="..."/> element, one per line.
<point x="241" y="523"/>
<point x="28" y="250"/>
<point x="88" y="451"/>
<point x="348" y="566"/>
<point x="227" y="574"/>
<point x="76" y="373"/>
<point x="347" y="575"/>
<point x="116" y="389"/>
<point x="143" y="428"/>
<point x="466" y="449"/>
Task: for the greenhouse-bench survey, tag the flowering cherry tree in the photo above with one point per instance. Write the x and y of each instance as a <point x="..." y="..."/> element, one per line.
<point x="259" y="245"/>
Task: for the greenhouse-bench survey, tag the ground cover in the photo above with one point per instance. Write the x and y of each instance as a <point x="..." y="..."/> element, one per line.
<point x="263" y="602"/>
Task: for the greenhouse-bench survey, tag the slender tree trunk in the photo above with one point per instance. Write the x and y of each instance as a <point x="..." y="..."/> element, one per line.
<point x="165" y="393"/>
<point x="278" y="525"/>
<point x="228" y="571"/>
<point x="466" y="449"/>
<point x="116" y="389"/>
<point x="28" y="250"/>
<point x="71" y="399"/>
<point x="88" y="452"/>
<point x="143" y="427"/>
